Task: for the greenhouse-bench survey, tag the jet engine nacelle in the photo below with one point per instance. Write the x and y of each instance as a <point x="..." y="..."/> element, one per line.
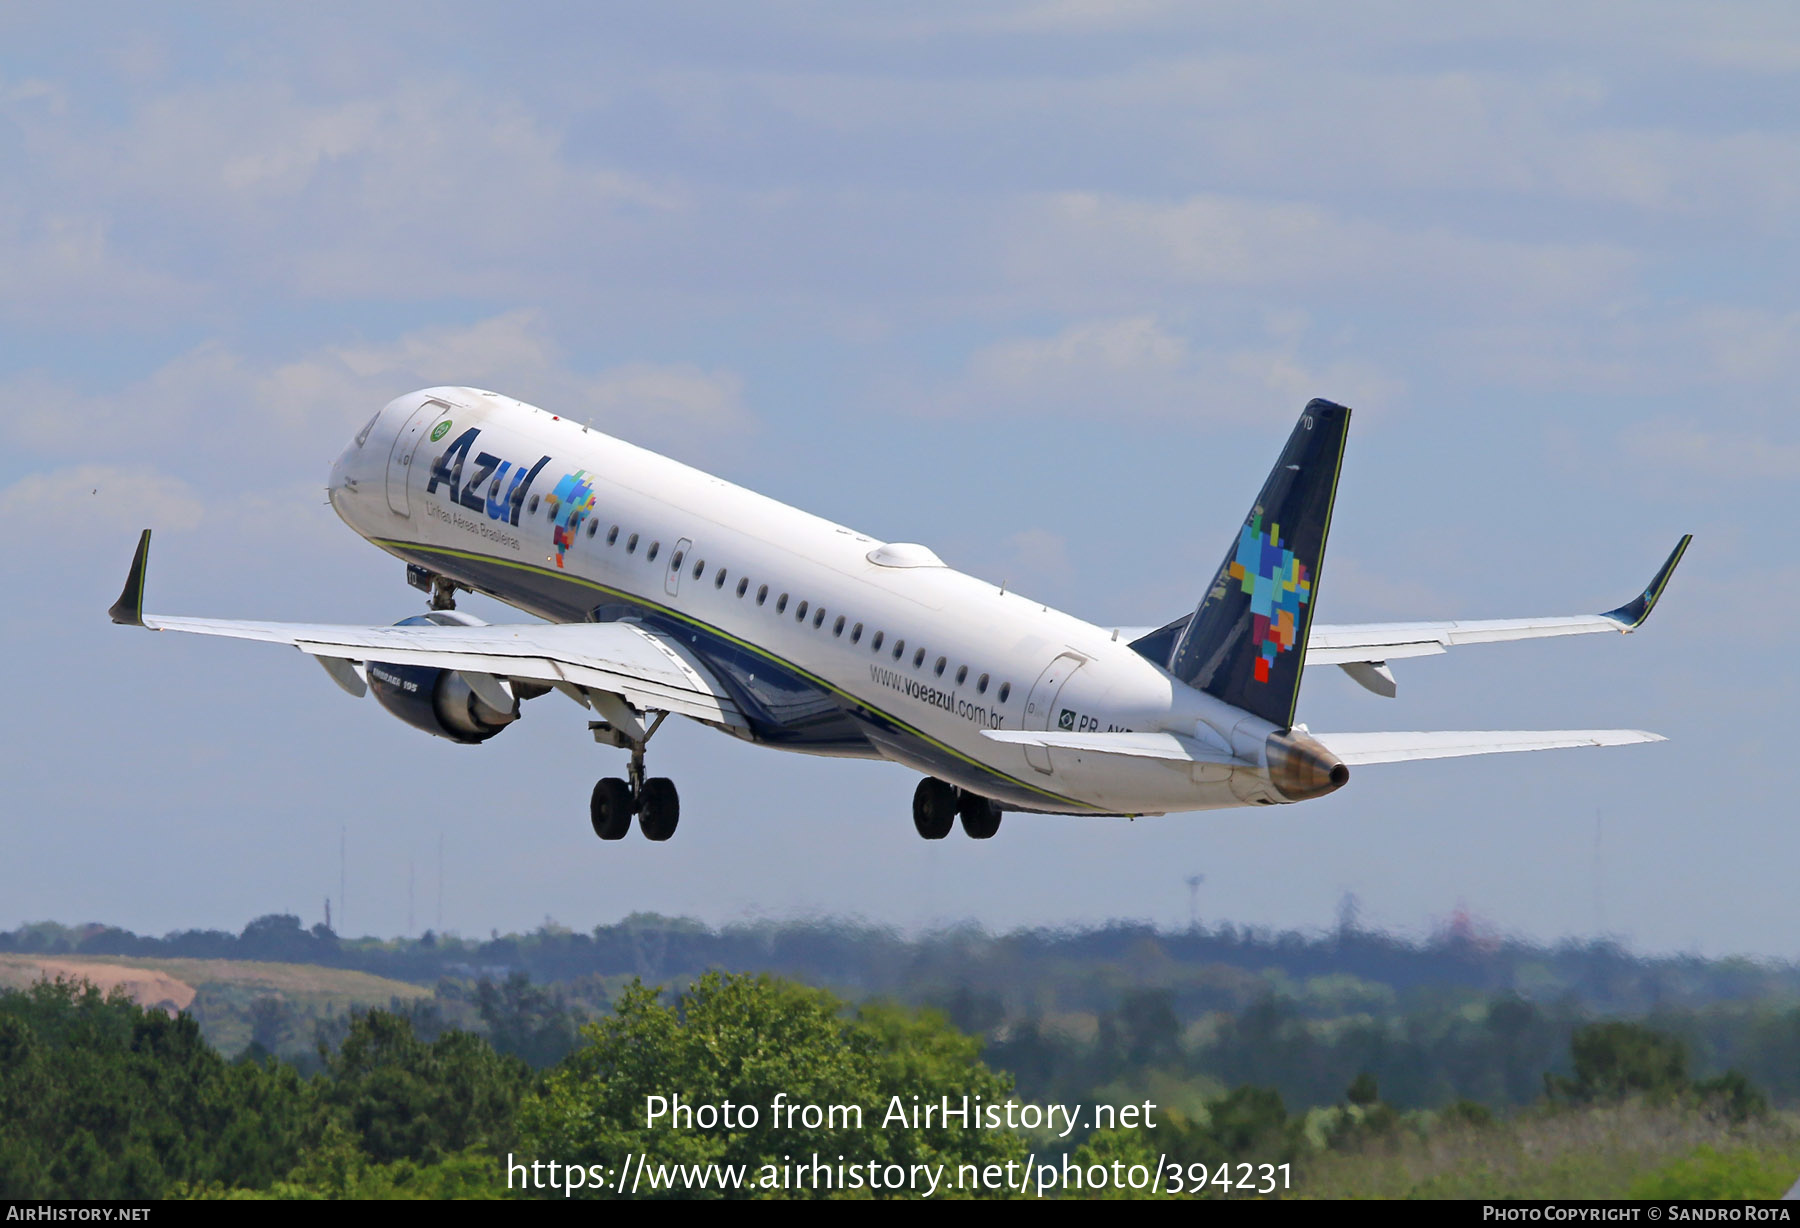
<point x="439" y="701"/>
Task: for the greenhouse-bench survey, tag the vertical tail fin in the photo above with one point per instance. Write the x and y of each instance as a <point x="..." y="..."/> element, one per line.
<point x="1246" y="643"/>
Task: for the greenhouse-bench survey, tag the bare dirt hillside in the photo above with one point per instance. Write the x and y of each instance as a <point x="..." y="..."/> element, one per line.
<point x="175" y="983"/>
<point x="147" y="986"/>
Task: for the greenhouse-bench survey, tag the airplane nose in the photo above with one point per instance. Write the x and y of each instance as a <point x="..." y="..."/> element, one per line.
<point x="342" y="479"/>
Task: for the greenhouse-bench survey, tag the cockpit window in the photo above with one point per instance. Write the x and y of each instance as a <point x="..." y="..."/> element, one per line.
<point x="362" y="436"/>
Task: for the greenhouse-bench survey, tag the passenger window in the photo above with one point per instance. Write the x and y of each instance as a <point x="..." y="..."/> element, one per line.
<point x="918" y="658"/>
<point x="781" y="604"/>
<point x="612" y="535"/>
<point x="856" y="634"/>
<point x="938" y="669"/>
<point x="700" y="570"/>
<point x="674" y="563"/>
<point x="875" y="644"/>
<point x="650" y="554"/>
<point x="593" y="526"/>
<point x="981" y="685"/>
<point x="1005" y="690"/>
<point x="631" y="544"/>
<point x="899" y="647"/>
<point x="743" y="585"/>
<point x="800" y="613"/>
<point x="962" y="674"/>
<point x="762" y="594"/>
<point x="819" y="619"/>
<point x="837" y="628"/>
<point x="531" y="508"/>
<point x="719" y="580"/>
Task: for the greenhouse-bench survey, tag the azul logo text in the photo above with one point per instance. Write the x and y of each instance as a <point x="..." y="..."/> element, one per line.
<point x="466" y="479"/>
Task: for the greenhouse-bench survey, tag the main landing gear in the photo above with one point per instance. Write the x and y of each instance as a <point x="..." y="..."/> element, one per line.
<point x="654" y="801"/>
<point x="937" y="804"/>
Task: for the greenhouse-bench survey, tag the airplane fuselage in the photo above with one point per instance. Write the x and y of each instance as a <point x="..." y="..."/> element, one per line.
<point x="830" y="641"/>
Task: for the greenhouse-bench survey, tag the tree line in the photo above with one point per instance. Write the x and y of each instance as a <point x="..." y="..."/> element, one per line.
<point x="102" y="1098"/>
<point x="1215" y="968"/>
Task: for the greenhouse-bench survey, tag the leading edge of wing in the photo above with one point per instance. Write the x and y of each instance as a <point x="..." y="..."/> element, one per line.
<point x="1398" y="747"/>
<point x="647" y="668"/>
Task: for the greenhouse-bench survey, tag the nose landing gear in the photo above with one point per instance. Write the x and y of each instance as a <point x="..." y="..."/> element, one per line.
<point x="936" y="805"/>
<point x="654" y="800"/>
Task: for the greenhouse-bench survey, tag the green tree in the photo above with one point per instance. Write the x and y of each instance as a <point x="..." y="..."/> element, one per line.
<point x="336" y="1168"/>
<point x="1732" y="1096"/>
<point x="1615" y="1060"/>
<point x="754" y="1042"/>
<point x="1247" y="1124"/>
<point x="527" y="1021"/>
<point x="100" y="1098"/>
<point x="404" y="1099"/>
<point x="1144" y="1031"/>
<point x="1709" y="1173"/>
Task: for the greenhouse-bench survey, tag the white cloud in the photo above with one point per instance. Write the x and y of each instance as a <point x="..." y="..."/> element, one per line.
<point x="312" y="402"/>
<point x="78" y="501"/>
<point x="65" y="266"/>
<point x="680" y="393"/>
<point x="1742" y="359"/>
<point x="1732" y="455"/>
<point x="1072" y="243"/>
<point x="1747" y="345"/>
<point x="1134" y="366"/>
<point x="410" y="188"/>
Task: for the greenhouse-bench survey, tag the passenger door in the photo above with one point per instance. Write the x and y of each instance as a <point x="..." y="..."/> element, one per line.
<point x="400" y="456"/>
<point x="1040" y="705"/>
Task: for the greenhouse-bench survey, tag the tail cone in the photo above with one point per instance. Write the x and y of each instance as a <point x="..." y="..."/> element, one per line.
<point x="1300" y="768"/>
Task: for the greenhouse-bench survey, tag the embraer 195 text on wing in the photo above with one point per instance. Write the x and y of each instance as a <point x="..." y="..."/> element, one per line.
<point x="665" y="590"/>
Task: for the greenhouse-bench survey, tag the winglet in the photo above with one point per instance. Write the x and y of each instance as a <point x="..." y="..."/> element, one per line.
<point x="128" y="610"/>
<point x="1632" y="614"/>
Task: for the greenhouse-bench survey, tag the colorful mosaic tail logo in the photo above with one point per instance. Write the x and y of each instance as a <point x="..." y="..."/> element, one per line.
<point x="570" y="503"/>
<point x="1277" y="584"/>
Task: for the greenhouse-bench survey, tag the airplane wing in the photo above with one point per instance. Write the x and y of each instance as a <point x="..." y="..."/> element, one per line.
<point x="648" y="669"/>
<point x="1364" y="649"/>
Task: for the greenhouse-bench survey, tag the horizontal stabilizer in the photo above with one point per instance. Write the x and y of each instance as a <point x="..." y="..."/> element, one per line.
<point x="1360" y="748"/>
<point x="1169" y="747"/>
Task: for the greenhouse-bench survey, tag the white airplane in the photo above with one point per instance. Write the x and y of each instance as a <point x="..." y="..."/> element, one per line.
<point x="665" y="590"/>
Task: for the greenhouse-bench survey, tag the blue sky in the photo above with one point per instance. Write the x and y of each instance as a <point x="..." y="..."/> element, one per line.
<point x="1042" y="285"/>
